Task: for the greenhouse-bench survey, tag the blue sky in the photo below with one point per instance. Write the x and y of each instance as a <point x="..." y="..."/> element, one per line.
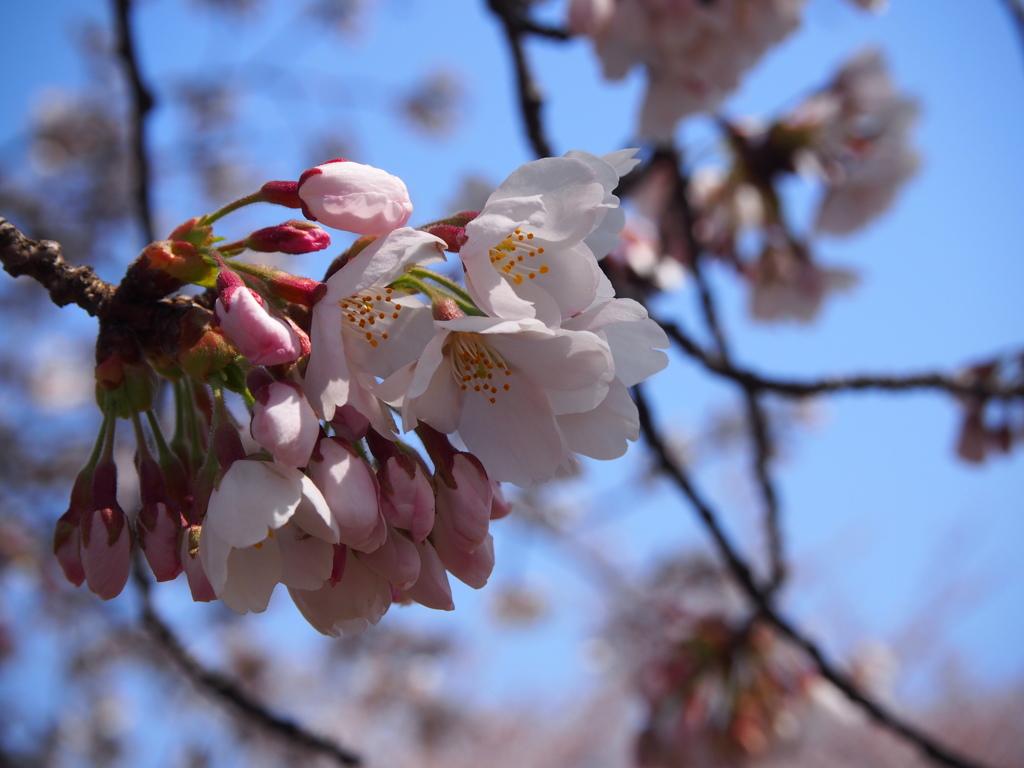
<point x="880" y="518"/>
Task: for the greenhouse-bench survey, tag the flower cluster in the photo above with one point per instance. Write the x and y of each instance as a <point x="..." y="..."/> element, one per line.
<point x="525" y="368"/>
<point x="694" y="52"/>
<point x="718" y="688"/>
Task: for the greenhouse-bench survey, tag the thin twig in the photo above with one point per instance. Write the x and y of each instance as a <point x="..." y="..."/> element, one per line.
<point x="142" y="104"/>
<point x="222" y="689"/>
<point x="952" y="384"/>
<point x="764" y="604"/>
<point x="515" y="24"/>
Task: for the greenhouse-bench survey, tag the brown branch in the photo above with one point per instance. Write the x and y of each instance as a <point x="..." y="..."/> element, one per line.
<point x="757" y="418"/>
<point x="952" y="384"/>
<point x="43" y="261"/>
<point x="762" y="600"/>
<point x="220" y="688"/>
<point x="516" y="24"/>
<point x="141" y="104"/>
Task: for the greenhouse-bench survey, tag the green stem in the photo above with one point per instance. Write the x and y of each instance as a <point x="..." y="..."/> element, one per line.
<point x="255" y="197"/>
<point x="449" y="285"/>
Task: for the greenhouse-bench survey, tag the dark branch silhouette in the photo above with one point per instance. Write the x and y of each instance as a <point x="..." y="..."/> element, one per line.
<point x="763" y="602"/>
<point x="141" y="106"/>
<point x="953" y="384"/>
<point x="220" y="688"/>
<point x="531" y="103"/>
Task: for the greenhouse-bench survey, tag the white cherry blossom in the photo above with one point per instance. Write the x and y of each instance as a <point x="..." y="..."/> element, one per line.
<point x="362" y="329"/>
<point x="265" y="523"/>
<point x="526" y="253"/>
<point x="502" y="384"/>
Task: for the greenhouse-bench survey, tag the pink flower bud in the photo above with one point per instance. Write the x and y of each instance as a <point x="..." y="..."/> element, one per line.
<point x="106" y="550"/>
<point x="471" y="568"/>
<point x="198" y="583"/>
<point x="406" y="495"/>
<point x="464" y="502"/>
<point x="431" y="588"/>
<point x="67" y="542"/>
<point x="354" y="197"/>
<point x="291" y="237"/>
<point x="350" y="606"/>
<point x="261" y="337"/>
<point x="67" y="537"/>
<point x="397" y="560"/>
<point x="349" y="424"/>
<point x="158" y="528"/>
<point x="500" y="507"/>
<point x="349" y="486"/>
<point x="284" y="423"/>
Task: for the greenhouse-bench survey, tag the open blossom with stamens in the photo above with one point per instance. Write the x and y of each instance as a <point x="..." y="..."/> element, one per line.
<point x="528" y="254"/>
<point x="363" y="329"/>
<point x="695" y="52"/>
<point x="502" y="384"/>
<point x="265" y="523"/>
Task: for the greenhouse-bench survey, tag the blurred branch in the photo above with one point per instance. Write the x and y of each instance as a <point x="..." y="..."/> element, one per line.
<point x="220" y="688"/>
<point x="1016" y="9"/>
<point x="142" y="104"/>
<point x="764" y="603"/>
<point x="757" y="419"/>
<point x="953" y="384"/>
<point x="43" y="261"/>
<point x="516" y="24"/>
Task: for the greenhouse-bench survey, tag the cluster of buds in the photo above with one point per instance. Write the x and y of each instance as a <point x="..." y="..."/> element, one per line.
<point x="720" y="695"/>
<point x="528" y="365"/>
<point x="717" y="687"/>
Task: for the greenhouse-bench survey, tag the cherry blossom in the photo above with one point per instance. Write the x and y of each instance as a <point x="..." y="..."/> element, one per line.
<point x="526" y="253"/>
<point x="350" y="604"/>
<point x="786" y="285"/>
<point x="362" y="329"/>
<point x="859" y="128"/>
<point x="694" y="52"/>
<point x="635" y="342"/>
<point x="265" y="523"/>
<point x="501" y="384"/>
<point x="354" y="197"/>
<point x="350" y="489"/>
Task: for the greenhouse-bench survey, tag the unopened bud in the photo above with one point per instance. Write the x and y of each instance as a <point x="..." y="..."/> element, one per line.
<point x="202" y="347"/>
<point x="291" y="237"/>
<point x="454" y="237"/>
<point x="130" y="385"/>
<point x="446" y="309"/>
<point x="181" y="260"/>
<point x="354" y="197"/>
